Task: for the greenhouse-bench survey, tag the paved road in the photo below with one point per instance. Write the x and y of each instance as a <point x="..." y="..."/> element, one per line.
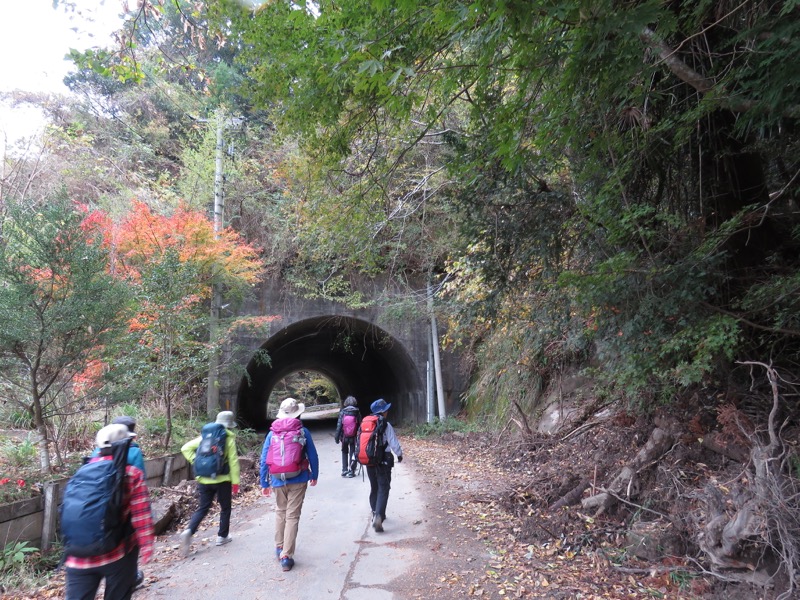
<point x="338" y="554"/>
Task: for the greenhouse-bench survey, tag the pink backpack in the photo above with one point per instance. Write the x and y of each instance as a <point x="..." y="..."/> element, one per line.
<point x="349" y="426"/>
<point x="286" y="455"/>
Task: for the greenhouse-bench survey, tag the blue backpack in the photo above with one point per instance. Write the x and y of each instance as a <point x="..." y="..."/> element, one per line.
<point x="91" y="512"/>
<point x="209" y="461"/>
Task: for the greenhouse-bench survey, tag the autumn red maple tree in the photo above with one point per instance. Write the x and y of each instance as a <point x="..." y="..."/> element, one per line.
<point x="172" y="261"/>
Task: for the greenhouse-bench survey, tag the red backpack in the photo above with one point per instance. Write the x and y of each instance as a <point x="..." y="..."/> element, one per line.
<point x="370" y="440"/>
<point x="286" y="455"/>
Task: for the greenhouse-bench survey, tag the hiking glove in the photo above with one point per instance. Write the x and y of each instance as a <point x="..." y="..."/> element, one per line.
<point x="235" y="489"/>
<point x="400" y="458"/>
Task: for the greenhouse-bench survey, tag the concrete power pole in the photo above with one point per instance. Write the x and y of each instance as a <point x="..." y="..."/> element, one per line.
<point x="212" y="400"/>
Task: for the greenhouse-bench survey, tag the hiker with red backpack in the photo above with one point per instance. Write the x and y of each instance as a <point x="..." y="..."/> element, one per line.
<point x="346" y="429"/>
<point x="376" y="442"/>
<point x="289" y="464"/>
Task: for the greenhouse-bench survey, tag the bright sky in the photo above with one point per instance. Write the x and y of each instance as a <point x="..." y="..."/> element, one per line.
<point x="34" y="37"/>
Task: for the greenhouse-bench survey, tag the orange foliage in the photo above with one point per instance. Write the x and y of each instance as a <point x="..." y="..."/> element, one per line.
<point x="736" y="426"/>
<point x="252" y="324"/>
<point x="142" y="236"/>
<point x="84" y="381"/>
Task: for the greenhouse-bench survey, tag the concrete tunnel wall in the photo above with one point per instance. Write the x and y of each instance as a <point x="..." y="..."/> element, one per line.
<point x="360" y="359"/>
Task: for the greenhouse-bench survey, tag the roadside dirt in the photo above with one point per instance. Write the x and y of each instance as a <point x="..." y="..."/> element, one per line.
<point x="495" y="537"/>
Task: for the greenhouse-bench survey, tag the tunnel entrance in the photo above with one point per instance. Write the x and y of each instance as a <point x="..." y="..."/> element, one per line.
<point x="360" y="359"/>
<point x="309" y="387"/>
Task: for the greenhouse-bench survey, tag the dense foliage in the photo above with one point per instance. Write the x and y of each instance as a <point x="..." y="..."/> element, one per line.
<point x="623" y="174"/>
<point x="602" y="184"/>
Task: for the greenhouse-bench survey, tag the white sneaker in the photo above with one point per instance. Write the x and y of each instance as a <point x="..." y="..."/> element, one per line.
<point x="186" y="541"/>
<point x="221" y="541"/>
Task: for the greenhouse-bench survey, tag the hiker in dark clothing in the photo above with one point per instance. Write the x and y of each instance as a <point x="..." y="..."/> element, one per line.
<point x="346" y="428"/>
<point x="380" y="475"/>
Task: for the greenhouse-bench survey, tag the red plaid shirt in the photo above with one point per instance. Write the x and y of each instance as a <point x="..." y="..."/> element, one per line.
<point x="136" y="502"/>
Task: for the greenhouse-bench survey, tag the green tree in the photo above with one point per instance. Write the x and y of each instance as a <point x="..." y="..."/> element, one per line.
<point x="60" y="308"/>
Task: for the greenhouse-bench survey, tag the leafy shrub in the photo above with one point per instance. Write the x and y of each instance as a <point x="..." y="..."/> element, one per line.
<point x="155" y="426"/>
<point x="12" y="556"/>
<point x="249" y="441"/>
<point x="18" y="454"/>
<point x="24" y="569"/>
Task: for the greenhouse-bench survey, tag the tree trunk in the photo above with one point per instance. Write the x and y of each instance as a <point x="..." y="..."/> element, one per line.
<point x="168" y="435"/>
<point x="754" y="526"/>
<point x="43" y="441"/>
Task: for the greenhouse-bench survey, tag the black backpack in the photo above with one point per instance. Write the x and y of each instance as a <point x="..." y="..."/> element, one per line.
<point x="209" y="461"/>
<point x="91" y="512"/>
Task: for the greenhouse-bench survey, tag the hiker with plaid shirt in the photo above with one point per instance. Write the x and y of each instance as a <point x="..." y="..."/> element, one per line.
<point x="119" y="566"/>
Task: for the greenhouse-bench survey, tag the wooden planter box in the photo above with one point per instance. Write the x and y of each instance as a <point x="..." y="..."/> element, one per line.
<point x="35" y="520"/>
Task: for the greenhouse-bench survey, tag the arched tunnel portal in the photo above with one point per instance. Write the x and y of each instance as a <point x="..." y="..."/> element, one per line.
<point x="360" y="359"/>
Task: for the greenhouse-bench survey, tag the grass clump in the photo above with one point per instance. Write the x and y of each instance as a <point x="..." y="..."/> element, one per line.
<point x="24" y="568"/>
<point x="443" y="426"/>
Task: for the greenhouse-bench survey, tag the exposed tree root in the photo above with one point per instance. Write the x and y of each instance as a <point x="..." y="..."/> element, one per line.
<point x="625" y="483"/>
<point x="756" y="526"/>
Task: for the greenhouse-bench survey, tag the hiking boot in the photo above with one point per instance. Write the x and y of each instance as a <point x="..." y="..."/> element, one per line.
<point x="139" y="579"/>
<point x="278" y="550"/>
<point x="287" y="563"/>
<point x="350" y="475"/>
<point x="221" y="541"/>
<point x="344" y="473"/>
<point x="377" y="523"/>
<point x="186" y="541"/>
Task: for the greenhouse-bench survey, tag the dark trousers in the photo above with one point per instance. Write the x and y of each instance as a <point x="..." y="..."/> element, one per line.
<point x="120" y="578"/>
<point x="206" y="493"/>
<point x="380" y="482"/>
<point x="348" y="454"/>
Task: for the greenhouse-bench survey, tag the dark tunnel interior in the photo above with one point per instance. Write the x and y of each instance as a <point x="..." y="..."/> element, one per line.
<point x="360" y="359"/>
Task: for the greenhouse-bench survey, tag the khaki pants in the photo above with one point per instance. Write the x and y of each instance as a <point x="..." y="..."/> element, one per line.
<point x="288" y="504"/>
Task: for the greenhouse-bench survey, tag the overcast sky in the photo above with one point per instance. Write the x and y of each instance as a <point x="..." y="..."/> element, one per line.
<point x="34" y="37"/>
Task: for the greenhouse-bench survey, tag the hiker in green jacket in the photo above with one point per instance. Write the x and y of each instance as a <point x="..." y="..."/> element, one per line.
<point x="223" y="485"/>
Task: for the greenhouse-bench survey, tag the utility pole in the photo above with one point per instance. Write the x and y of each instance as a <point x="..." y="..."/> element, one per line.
<point x="212" y="399"/>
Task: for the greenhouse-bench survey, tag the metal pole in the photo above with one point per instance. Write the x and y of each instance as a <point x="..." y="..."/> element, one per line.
<point x="437" y="363"/>
<point x="429" y="388"/>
